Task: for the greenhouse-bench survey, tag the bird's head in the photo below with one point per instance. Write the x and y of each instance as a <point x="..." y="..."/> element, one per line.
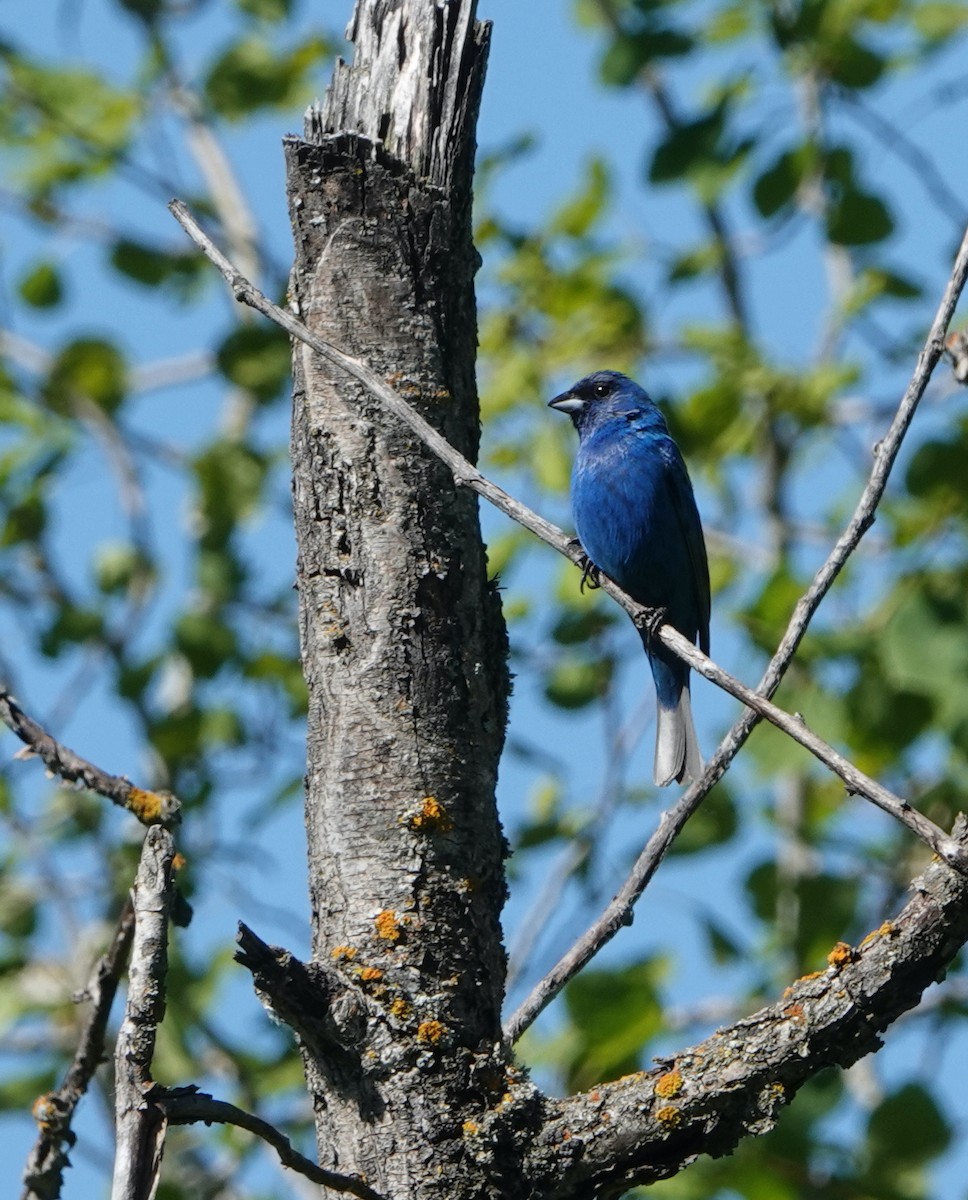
<point x="605" y="393"/>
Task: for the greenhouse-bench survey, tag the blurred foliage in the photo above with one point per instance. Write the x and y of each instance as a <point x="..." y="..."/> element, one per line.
<point x="764" y="253"/>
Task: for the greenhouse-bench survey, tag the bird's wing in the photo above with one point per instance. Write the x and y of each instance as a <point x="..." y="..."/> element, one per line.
<point x="687" y="515"/>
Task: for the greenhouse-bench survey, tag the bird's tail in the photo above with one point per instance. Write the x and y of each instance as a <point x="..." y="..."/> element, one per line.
<point x="677" y="754"/>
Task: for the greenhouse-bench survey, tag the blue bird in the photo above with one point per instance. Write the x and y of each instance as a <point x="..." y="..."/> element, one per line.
<point x="637" y="521"/>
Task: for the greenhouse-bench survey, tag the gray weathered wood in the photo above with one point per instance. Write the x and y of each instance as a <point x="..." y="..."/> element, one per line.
<point x="402" y="637"/>
<point x="138" y="1129"/>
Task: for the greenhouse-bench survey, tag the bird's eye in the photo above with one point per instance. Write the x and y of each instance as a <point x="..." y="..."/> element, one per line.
<point x="601" y="389"/>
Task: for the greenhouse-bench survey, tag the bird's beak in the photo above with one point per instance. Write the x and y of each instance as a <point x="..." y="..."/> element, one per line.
<point x="567" y="402"/>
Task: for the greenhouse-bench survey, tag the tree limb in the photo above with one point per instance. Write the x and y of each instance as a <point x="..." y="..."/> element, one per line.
<point x="149" y="807"/>
<point x="186" y="1106"/>
<point x="650" y="1125"/>
<point x="44" y="1172"/>
<point x="326" y="1013"/>
<point x="619" y="911"/>
<point x="140" y="1135"/>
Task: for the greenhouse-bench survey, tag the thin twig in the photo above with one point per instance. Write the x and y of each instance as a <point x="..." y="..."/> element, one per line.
<point x="44" y="1173"/>
<point x="140" y="1135"/>
<point x="149" y="807"/>
<point x="465" y="473"/>
<point x="618" y="913"/>
<point x="185" y="1106"/>
<point x="857" y="782"/>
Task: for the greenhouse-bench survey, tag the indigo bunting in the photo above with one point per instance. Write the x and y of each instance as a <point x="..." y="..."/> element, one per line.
<point x="637" y="521"/>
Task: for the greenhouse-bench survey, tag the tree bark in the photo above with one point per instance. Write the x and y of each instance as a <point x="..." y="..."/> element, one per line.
<point x="402" y="637"/>
<point x="404" y="649"/>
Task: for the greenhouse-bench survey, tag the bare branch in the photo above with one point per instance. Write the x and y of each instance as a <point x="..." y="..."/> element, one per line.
<point x="619" y="911"/>
<point x="935" y="838"/>
<point x="140" y="1134"/>
<point x="186" y="1106"/>
<point x="44" y="1173"/>
<point x="648" y="1126"/>
<point x="465" y="473"/>
<point x="149" y="807"/>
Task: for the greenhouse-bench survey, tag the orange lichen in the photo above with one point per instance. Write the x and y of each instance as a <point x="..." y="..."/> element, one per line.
<point x="342" y="953"/>
<point x="669" y="1115"/>
<point x="431" y="1032"/>
<point x="594" y="1097"/>
<point x="387" y="925"/>
<point x="841" y="955"/>
<point x="885" y="930"/>
<point x="807" y="978"/>
<point x="432" y="816"/>
<point x="794" y="1012"/>
<point x="401" y="1008"/>
<point x="44" y="1109"/>
<point x="178" y="862"/>
<point x="146" y="806"/>
<point x="369" y="974"/>
<point x="470" y="1128"/>
<point x="669" y="1085"/>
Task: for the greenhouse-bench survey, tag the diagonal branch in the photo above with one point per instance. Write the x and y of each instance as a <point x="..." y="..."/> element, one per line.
<point x="186" y="1106"/>
<point x="44" y="1172"/>
<point x="149" y="807"/>
<point x="650" y="1125"/>
<point x="619" y="911"/>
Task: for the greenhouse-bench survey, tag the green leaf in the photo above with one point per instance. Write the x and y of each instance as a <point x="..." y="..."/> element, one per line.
<point x="615" y="1014"/>
<point x="230" y="479"/>
<point x="18" y="909"/>
<point x="852" y="64"/>
<point x="777" y="186"/>
<point x="87" y="369"/>
<point x="724" y="948"/>
<point x="937" y="472"/>
<point x="687" y="147"/>
<point x="580" y="212"/>
<point x="858" y="219"/>
<point x="939" y="22"/>
<point x="26" y="519"/>
<point x="257" y="358"/>
<point x="118" y="566"/>
<point x="577" y="626"/>
<point x="152" y="268"/>
<point x="713" y="824"/>
<point x="206" y="641"/>
<point x="628" y="53"/>
<point x="252" y="74"/>
<point x="71" y="626"/>
<point x="906" y="1128"/>
<point x="577" y="680"/>
<point x="266" y="10"/>
<point x="41" y="286"/>
<point x="147" y="10"/>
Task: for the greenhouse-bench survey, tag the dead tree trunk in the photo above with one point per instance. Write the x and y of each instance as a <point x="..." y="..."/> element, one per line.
<point x="402" y="637"/>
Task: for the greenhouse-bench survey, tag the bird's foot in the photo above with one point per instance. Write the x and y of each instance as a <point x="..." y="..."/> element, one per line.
<point x="653" y="620"/>
<point x="590" y="574"/>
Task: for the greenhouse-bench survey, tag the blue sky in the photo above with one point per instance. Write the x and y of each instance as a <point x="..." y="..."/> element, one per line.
<point x="541" y="79"/>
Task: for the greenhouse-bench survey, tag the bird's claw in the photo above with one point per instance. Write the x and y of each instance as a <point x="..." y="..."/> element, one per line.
<point x="589" y="575"/>
<point x="653" y="621"/>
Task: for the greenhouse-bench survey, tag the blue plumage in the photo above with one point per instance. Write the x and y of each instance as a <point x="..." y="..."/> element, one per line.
<point x="637" y="520"/>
